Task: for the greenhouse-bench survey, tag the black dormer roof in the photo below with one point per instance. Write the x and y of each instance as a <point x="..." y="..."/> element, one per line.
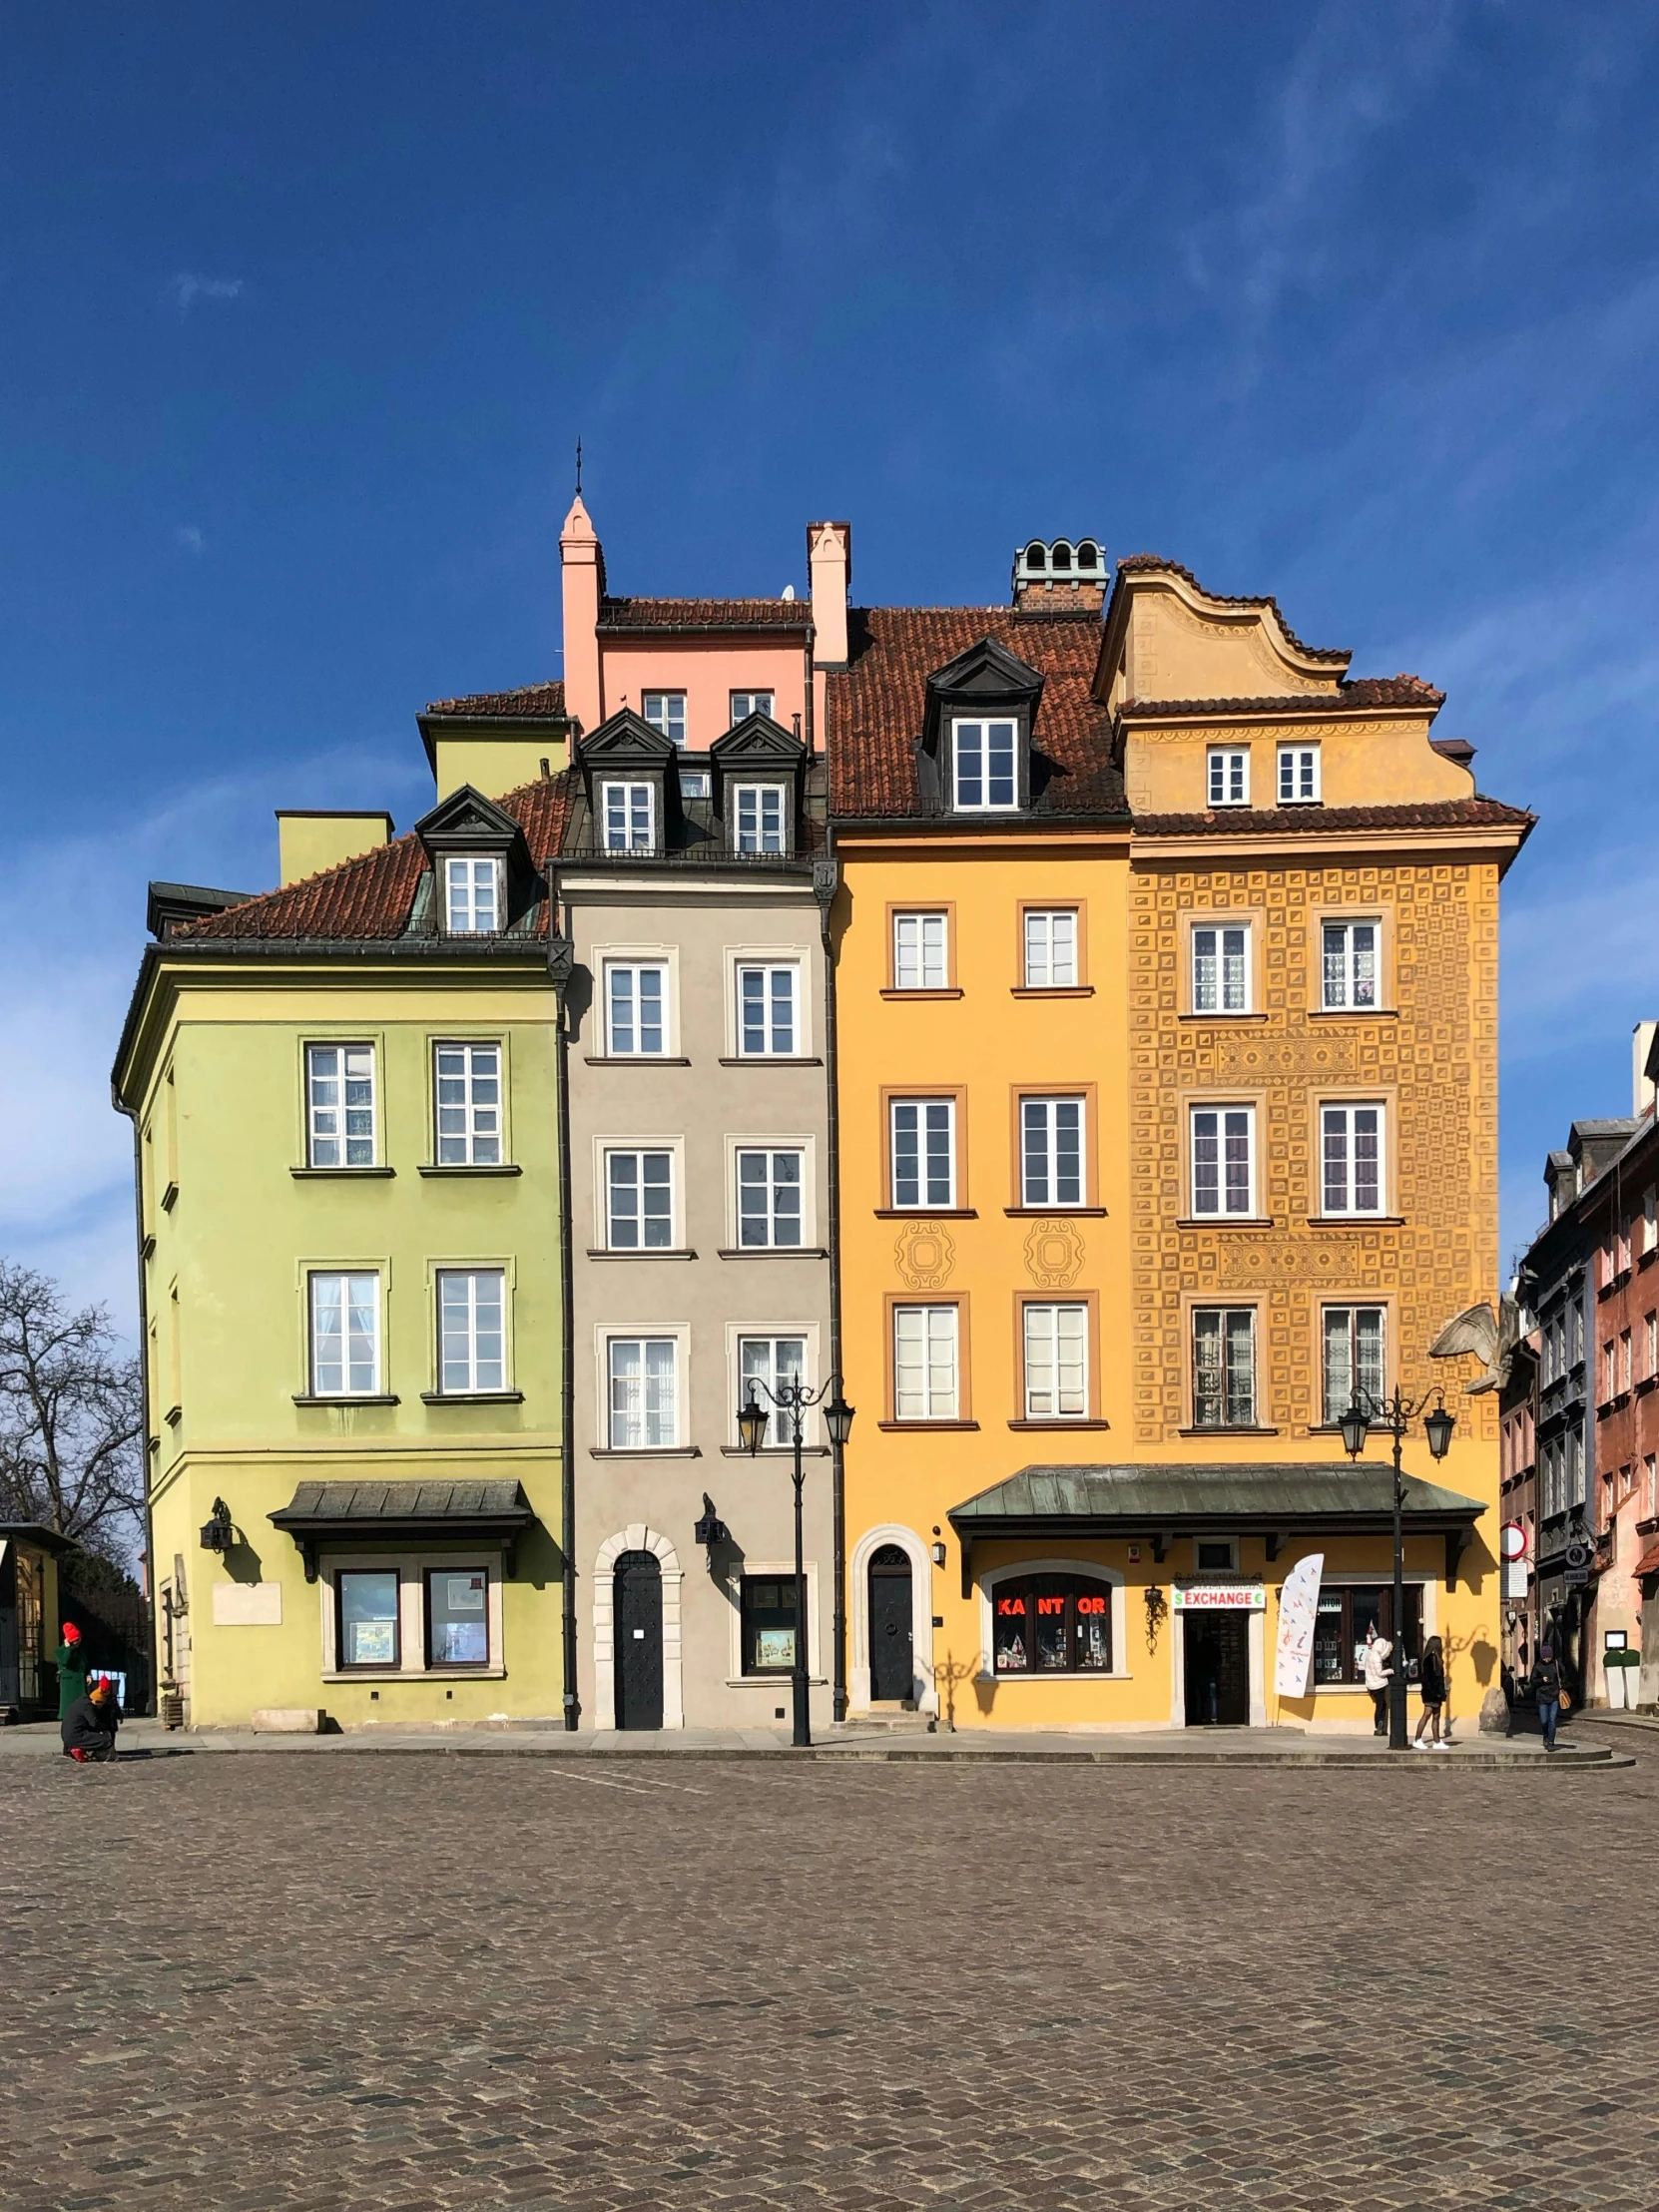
<point x="467" y="824"/>
<point x="988" y="679"/>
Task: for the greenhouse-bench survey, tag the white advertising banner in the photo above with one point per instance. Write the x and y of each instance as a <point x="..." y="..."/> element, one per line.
<point x="1298" y="1607"/>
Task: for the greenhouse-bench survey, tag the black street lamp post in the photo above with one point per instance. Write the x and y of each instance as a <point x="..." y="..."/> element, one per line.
<point x="1395" y="1415"/>
<point x="792" y="1398"/>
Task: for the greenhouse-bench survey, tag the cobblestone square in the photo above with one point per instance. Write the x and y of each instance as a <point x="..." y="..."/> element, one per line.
<point x="419" y="1982"/>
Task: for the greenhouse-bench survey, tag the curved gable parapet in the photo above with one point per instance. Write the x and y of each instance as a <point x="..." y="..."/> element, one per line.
<point x="1166" y="637"/>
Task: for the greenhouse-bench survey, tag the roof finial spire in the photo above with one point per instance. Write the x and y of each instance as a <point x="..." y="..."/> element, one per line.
<point x="578" y="468"/>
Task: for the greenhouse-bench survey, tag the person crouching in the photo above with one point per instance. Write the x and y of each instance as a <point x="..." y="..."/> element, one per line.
<point x="90" y="1724"/>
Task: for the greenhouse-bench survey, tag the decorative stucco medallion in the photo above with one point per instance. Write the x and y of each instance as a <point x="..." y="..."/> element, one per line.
<point x="924" y="1255"/>
<point x="1053" y="1255"/>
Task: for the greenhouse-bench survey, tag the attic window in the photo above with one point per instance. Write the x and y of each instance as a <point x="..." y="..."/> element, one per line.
<point x="472" y="896"/>
<point x="986" y="765"/>
<point x="630" y="817"/>
<point x="757" y="817"/>
<point x="1036" y="554"/>
<point x="1062" y="554"/>
<point x="1088" y="554"/>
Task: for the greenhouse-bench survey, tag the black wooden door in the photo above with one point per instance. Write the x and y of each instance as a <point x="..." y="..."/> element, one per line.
<point x="1217" y="1658"/>
<point x="638" y="1611"/>
<point x="891" y="1638"/>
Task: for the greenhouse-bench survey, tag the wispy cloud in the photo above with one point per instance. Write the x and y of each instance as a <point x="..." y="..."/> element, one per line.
<point x="189" y="539"/>
<point x="186" y="288"/>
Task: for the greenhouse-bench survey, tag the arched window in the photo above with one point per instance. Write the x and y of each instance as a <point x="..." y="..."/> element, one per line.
<point x="1052" y="1624"/>
<point x="1036" y="554"/>
<point x="1061" y="555"/>
<point x="1088" y="554"/>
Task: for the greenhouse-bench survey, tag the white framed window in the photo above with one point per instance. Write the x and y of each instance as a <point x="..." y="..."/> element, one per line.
<point x="1354" y="1354"/>
<point x="1221" y="968"/>
<point x="1299" y="774"/>
<point x="666" y="710"/>
<point x="1051" y="948"/>
<point x="1223" y="1366"/>
<point x="747" y="703"/>
<point x="1056" y="1361"/>
<point x="1350" y="1160"/>
<point x="693" y="782"/>
<point x="630" y="816"/>
<point x="1224" y="1160"/>
<point x="639" y="1201"/>
<point x="472" y="1330"/>
<point x="471" y="895"/>
<point x="985" y="765"/>
<point x="467" y="1079"/>
<point x="758" y="818"/>
<point x="1229" y="768"/>
<point x="1051" y="1152"/>
<point x="1348" y="964"/>
<point x="769" y="1009"/>
<point x="345" y="1334"/>
<point x="774" y="1362"/>
<point x="925" y="1363"/>
<point x="636" y="998"/>
<point x="339" y="1106"/>
<point x="644" y="1379"/>
<point x="921" y="953"/>
<point x="924" y="1138"/>
<point x="771" y="1181"/>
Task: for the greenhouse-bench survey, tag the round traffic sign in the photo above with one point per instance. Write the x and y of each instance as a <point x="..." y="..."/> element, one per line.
<point x="1578" y="1555"/>
<point x="1512" y="1540"/>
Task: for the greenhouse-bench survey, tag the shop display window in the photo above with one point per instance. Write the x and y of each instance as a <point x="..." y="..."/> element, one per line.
<point x="768" y="1624"/>
<point x="1345" y="1615"/>
<point x="1052" y="1624"/>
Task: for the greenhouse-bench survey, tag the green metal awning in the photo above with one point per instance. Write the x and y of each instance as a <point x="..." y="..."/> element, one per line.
<point x="371" y="1513"/>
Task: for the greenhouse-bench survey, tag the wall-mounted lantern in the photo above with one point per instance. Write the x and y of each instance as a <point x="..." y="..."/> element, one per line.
<point x="218" y="1534"/>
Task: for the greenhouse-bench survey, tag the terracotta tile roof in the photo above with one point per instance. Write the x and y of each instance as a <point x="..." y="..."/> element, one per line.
<point x="529" y="699"/>
<point x="1136" y="562"/>
<point x="1364" y="691"/>
<point x="877" y="705"/>
<point x="705" y="614"/>
<point x="370" y="899"/>
<point x="1436" y="813"/>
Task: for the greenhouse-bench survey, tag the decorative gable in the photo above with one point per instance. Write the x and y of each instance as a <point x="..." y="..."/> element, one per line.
<point x="622" y="758"/>
<point x="759" y="770"/>
<point x="467" y="828"/>
<point x="984" y="690"/>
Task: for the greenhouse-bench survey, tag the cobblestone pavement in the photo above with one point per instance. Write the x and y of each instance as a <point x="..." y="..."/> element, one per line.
<point x="426" y="1982"/>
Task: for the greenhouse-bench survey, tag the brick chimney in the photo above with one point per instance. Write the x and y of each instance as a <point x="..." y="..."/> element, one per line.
<point x="582" y="568"/>
<point x="1064" y="575"/>
<point x="830" y="565"/>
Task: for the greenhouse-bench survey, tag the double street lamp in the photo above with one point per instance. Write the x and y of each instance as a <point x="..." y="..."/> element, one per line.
<point x="1395" y="1415"/>
<point x="792" y="1400"/>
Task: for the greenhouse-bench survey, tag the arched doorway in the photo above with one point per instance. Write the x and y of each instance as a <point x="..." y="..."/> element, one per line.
<point x="639" y="1640"/>
<point x="892" y="1632"/>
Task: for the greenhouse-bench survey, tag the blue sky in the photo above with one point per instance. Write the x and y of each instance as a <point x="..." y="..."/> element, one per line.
<point x="302" y="307"/>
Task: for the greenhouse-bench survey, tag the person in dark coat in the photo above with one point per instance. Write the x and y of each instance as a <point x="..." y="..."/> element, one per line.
<point x="72" y="1669"/>
<point x="1432" y="1686"/>
<point x="1546" y="1682"/>
<point x="90" y="1724"/>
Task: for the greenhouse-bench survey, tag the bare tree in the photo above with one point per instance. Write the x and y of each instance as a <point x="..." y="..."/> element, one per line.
<point x="70" y="1417"/>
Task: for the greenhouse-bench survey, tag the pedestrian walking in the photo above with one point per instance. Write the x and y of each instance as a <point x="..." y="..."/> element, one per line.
<point x="1550" y="1692"/>
<point x="1378" y="1674"/>
<point x="90" y="1724"/>
<point x="1432" y="1686"/>
<point x="72" y="1668"/>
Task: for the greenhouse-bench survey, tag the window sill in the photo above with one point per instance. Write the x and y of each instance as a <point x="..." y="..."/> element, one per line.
<point x="170" y="1198"/>
<point x="644" y="1451"/>
<point x="905" y="1427"/>
<point x="771" y="1061"/>
<point x="1060" y="1420"/>
<point x="774" y="1682"/>
<point x="919" y="993"/>
<point x="1646" y="1384"/>
<point x="1062" y="1213"/>
<point x="1051" y="991"/>
<point x="333" y="1174"/>
<point x="1229" y="1428"/>
<point x="174" y="1415"/>
<point x="641" y="1252"/>
<point x="414" y="1674"/>
<point x="1058" y="1674"/>
<point x="773" y="1252"/>
<point x="1357" y="1221"/>
<point x="927" y="1212"/>
<point x="1243" y="1014"/>
<point x="1225" y="1221"/>
<point x="1647" y="1258"/>
<point x="472" y="1398"/>
<point x="507" y="1168"/>
<point x="376" y="1398"/>
<point x="774" y="1451"/>
<point x="147" y="1249"/>
<point x="635" y="1061"/>
<point x="1354" y="1013"/>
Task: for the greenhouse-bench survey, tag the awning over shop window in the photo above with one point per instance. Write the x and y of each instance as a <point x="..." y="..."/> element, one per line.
<point x="372" y="1514"/>
<point x="1158" y="1503"/>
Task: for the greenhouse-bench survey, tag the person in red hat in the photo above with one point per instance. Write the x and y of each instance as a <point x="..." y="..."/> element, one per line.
<point x="90" y="1724"/>
<point x="72" y="1669"/>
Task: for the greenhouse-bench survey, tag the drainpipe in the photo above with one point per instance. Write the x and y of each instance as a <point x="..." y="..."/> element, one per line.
<point x="561" y="962"/>
<point x="130" y="1112"/>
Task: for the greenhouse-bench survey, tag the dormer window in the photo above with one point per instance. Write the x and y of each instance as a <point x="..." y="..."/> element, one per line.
<point x="1229" y="776"/>
<point x="630" y="817"/>
<point x="758" y="824"/>
<point x="986" y="765"/>
<point x="472" y="896"/>
<point x="666" y="710"/>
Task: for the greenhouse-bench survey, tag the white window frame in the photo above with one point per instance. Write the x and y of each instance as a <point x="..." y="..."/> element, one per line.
<point x="923" y="1107"/>
<point x="1047" y="1112"/>
<point x="1299" y="767"/>
<point x="770" y="1150"/>
<point x="1348" y="1002"/>
<point x="346" y="1276"/>
<point x="1330" y="1411"/>
<point x="639" y="1150"/>
<point x="695" y="782"/>
<point x="478" y="1382"/>
<point x="942" y="1328"/>
<point x="768" y="966"/>
<point x="341" y="1138"/>
<point x="984" y="724"/>
<point x="1222" y="1136"/>
<point x="634" y="969"/>
<point x="658" y="709"/>
<point x="1344" y="1111"/>
<point x="1052" y="1309"/>
<point x="1226" y="1340"/>
<point x="1227" y="776"/>
<point x="630" y="790"/>
<point x="1222" y="976"/>
<point x="923" y="964"/>
<point x="474" y="1138"/>
<point x="669" y="1433"/>
<point x="761" y="799"/>
<point x="752" y="704"/>
<point x="466" y="877"/>
<point x="1046" y="917"/>
<point x="780" y="1435"/>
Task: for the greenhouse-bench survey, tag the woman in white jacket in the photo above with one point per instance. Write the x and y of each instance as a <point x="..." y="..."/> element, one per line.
<point x="1378" y="1674"/>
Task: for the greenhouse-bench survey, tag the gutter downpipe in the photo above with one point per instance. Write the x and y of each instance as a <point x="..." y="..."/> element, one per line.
<point x="152" y="1705"/>
<point x="825" y="883"/>
<point x="561" y="959"/>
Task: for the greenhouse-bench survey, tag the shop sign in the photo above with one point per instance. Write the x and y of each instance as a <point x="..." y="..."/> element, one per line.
<point x="1298" y="1606"/>
<point x="1220" y="1597"/>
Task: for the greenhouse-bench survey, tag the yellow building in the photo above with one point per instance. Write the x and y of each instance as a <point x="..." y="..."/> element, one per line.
<point x="1167" y="988"/>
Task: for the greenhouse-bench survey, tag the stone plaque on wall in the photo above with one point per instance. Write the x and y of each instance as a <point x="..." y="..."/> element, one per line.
<point x="247" y="1605"/>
